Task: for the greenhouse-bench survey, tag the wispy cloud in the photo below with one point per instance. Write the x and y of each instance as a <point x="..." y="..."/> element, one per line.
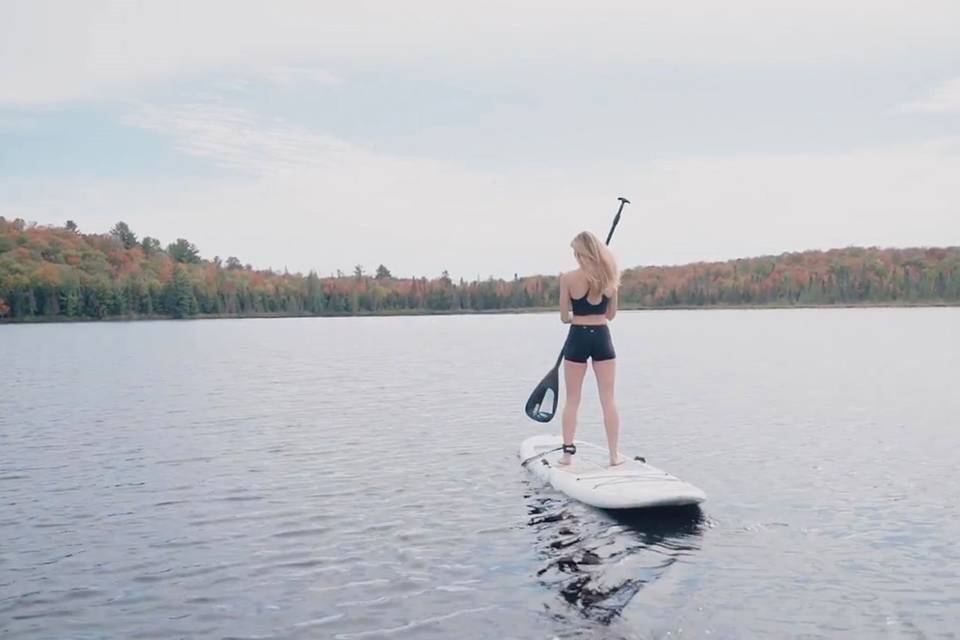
<point x="944" y="98"/>
<point x="234" y="138"/>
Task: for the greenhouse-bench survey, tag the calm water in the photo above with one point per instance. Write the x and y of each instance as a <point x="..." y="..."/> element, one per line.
<point x="358" y="478"/>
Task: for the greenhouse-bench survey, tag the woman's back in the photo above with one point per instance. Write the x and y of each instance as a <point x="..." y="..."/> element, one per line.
<point x="585" y="301"/>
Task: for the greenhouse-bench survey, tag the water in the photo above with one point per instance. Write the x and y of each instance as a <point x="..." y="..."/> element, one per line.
<point x="358" y="478"/>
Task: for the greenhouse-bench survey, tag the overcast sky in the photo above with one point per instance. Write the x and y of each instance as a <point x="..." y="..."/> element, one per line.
<point x="480" y="137"/>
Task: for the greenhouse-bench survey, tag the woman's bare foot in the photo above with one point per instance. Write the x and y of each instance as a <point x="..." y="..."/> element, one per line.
<point x="617" y="460"/>
<point x="566" y="460"/>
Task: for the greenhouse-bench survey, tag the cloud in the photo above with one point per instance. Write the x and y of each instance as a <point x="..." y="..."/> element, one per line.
<point x="944" y="98"/>
<point x="745" y="204"/>
<point x="59" y="51"/>
<point x="301" y="199"/>
<point x="236" y="139"/>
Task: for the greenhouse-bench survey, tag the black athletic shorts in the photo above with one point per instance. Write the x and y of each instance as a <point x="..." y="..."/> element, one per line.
<point x="589" y="341"/>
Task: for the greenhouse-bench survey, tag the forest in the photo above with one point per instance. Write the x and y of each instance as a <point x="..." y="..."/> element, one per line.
<point x="60" y="273"/>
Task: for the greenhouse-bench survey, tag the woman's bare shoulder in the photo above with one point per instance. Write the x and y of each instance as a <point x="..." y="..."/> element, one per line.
<point x="576" y="283"/>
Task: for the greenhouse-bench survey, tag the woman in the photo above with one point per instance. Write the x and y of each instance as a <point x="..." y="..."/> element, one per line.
<point x="588" y="301"/>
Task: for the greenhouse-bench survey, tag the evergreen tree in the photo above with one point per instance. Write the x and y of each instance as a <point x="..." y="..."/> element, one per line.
<point x="184" y="252"/>
<point x="150" y="246"/>
<point x="124" y="235"/>
<point x="184" y="303"/>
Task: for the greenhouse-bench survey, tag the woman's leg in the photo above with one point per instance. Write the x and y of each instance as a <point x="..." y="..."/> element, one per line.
<point x="573" y="373"/>
<point x="606" y="372"/>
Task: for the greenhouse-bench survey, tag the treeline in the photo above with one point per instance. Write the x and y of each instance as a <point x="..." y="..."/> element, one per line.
<point x="853" y="275"/>
<point x="59" y="272"/>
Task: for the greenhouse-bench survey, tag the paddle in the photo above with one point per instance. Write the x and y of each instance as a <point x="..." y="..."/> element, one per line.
<point x="547" y="392"/>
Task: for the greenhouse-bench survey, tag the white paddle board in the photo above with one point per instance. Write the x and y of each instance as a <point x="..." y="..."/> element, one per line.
<point x="591" y="480"/>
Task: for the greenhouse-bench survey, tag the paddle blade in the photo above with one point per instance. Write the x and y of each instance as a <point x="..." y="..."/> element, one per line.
<point x="542" y="403"/>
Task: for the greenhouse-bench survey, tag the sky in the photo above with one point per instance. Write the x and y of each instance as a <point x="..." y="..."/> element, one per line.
<point x="479" y="138"/>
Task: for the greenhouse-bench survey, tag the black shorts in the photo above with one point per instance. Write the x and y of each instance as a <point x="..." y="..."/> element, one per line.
<point x="589" y="341"/>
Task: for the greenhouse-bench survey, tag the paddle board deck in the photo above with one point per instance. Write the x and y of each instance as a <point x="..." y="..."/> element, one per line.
<point x="631" y="485"/>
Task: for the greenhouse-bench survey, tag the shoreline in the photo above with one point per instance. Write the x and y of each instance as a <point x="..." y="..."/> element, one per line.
<point x="474" y="312"/>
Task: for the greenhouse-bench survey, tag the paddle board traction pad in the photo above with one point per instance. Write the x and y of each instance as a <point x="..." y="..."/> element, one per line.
<point x="591" y="480"/>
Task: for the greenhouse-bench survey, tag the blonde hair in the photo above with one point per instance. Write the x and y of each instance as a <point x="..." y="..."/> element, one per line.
<point x="597" y="262"/>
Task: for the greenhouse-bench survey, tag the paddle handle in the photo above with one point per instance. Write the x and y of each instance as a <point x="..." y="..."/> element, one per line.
<point x="616" y="218"/>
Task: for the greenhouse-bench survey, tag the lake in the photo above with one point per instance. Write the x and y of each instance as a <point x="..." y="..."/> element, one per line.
<point x="358" y="478"/>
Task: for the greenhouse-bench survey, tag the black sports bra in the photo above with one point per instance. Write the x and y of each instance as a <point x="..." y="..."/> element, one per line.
<point x="583" y="307"/>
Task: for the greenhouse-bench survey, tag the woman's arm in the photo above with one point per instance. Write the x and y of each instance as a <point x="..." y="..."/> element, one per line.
<point x="564" y="300"/>
<point x="612" y="306"/>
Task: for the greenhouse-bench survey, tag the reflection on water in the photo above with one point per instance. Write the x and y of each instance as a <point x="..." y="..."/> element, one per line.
<point x="598" y="560"/>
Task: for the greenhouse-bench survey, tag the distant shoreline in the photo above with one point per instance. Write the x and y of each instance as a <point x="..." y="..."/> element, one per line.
<point x="58" y="274"/>
<point x="472" y="312"/>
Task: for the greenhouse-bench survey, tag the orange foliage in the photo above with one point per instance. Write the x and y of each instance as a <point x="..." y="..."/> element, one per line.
<point x="48" y="275"/>
<point x="93" y="275"/>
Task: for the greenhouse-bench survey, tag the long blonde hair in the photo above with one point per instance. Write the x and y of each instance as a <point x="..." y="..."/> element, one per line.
<point x="597" y="262"/>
